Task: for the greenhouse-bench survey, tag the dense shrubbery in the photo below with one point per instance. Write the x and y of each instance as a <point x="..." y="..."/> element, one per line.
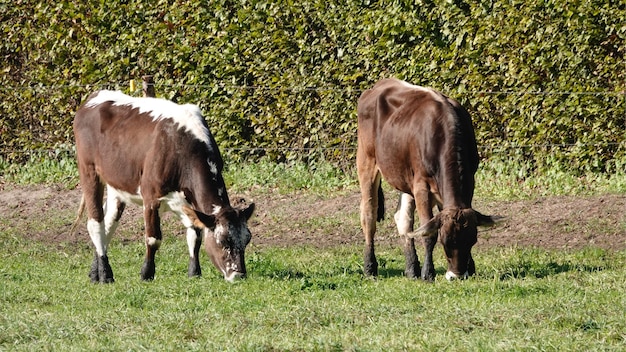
<point x="252" y="67"/>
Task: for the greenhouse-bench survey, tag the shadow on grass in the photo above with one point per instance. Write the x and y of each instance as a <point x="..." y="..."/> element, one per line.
<point x="339" y="274"/>
<point x="541" y="270"/>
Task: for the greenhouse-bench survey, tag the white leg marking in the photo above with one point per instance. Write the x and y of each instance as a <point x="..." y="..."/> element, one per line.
<point x="192" y="237"/>
<point x="111" y="208"/>
<point x="405" y="215"/>
<point x="151" y="241"/>
<point x="98" y="236"/>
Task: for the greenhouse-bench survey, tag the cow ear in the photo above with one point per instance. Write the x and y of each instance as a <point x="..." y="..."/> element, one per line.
<point x="246" y="212"/>
<point x="428" y="229"/>
<point x="199" y="219"/>
<point x="487" y="220"/>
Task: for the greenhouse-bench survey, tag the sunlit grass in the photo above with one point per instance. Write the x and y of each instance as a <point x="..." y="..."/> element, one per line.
<point x="304" y="298"/>
<point x="495" y="179"/>
<point x="509" y="180"/>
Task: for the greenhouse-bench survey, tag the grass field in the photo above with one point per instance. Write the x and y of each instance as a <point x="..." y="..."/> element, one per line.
<point x="306" y="299"/>
<point x="311" y="299"/>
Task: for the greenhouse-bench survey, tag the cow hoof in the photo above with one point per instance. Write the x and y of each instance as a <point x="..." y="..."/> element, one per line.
<point x="411" y="274"/>
<point x="428" y="274"/>
<point x="428" y="278"/>
<point x="412" y="271"/>
<point x="147" y="277"/>
<point x="190" y="274"/>
<point x="93" y="275"/>
<point x="147" y="271"/>
<point x="93" y="272"/>
<point x="471" y="268"/>
<point x="101" y="271"/>
<point x="194" y="268"/>
<point x="370" y="265"/>
<point x="371" y="270"/>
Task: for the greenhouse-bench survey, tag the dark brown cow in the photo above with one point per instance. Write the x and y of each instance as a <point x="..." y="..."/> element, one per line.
<point x="162" y="155"/>
<point x="423" y="144"/>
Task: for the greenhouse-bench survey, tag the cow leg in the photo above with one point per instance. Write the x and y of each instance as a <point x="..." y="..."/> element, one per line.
<point x="423" y="204"/>
<point x="113" y="210"/>
<point x="428" y="271"/>
<point x="369" y="180"/>
<point x="101" y="234"/>
<point x="404" y="218"/>
<point x="153" y="238"/>
<point x="100" y="269"/>
<point x="471" y="266"/>
<point x="194" y="241"/>
<point x="93" y="193"/>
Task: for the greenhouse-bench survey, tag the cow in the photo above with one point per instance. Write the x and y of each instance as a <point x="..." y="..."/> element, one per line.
<point x="422" y="143"/>
<point x="159" y="154"/>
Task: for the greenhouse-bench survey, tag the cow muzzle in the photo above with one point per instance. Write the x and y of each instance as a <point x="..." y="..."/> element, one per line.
<point x="234" y="272"/>
<point x="451" y="276"/>
<point x="234" y="276"/>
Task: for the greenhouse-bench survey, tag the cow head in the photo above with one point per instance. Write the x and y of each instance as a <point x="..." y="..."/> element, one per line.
<point x="457" y="230"/>
<point x="226" y="236"/>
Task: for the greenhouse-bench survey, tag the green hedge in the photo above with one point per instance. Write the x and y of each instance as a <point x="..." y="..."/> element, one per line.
<point x="543" y="81"/>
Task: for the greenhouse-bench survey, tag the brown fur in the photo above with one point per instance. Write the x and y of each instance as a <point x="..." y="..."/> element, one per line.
<point x="125" y="146"/>
<point x="422" y="143"/>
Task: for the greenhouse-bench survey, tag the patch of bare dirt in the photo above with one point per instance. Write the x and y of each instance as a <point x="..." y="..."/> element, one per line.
<point x="47" y="213"/>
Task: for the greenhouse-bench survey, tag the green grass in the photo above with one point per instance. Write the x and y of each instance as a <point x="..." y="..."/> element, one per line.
<point x="302" y="298"/>
<point x="306" y="299"/>
<point x="40" y="170"/>
<point x="495" y="179"/>
<point x="509" y="180"/>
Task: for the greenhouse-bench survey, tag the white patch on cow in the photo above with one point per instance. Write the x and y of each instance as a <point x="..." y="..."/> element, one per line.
<point x="221" y="192"/>
<point x="97" y="235"/>
<point x="405" y="215"/>
<point x="231" y="267"/>
<point x="436" y="95"/>
<point x="124" y="197"/>
<point x="416" y="87"/>
<point x="219" y="232"/>
<point x="233" y="276"/>
<point x="153" y="242"/>
<point x="192" y="237"/>
<point x="187" y="116"/>
<point x="216" y="209"/>
<point x="212" y="167"/>
<point x="175" y="202"/>
<point x="450" y="276"/>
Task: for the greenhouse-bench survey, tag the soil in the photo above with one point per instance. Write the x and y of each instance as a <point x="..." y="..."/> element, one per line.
<point x="46" y="213"/>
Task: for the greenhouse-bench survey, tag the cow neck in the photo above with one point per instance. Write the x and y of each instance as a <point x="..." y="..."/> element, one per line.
<point x="206" y="190"/>
<point x="452" y="174"/>
<point x="210" y="201"/>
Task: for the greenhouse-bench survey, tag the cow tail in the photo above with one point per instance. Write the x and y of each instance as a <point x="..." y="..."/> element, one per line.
<point x="81" y="210"/>
<point x="381" y="203"/>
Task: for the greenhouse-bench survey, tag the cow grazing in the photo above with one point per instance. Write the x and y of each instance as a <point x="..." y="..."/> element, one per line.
<point x="160" y="154"/>
<point x="423" y="144"/>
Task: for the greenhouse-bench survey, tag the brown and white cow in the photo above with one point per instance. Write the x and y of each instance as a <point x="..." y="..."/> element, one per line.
<point x="161" y="155"/>
<point x="423" y="144"/>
